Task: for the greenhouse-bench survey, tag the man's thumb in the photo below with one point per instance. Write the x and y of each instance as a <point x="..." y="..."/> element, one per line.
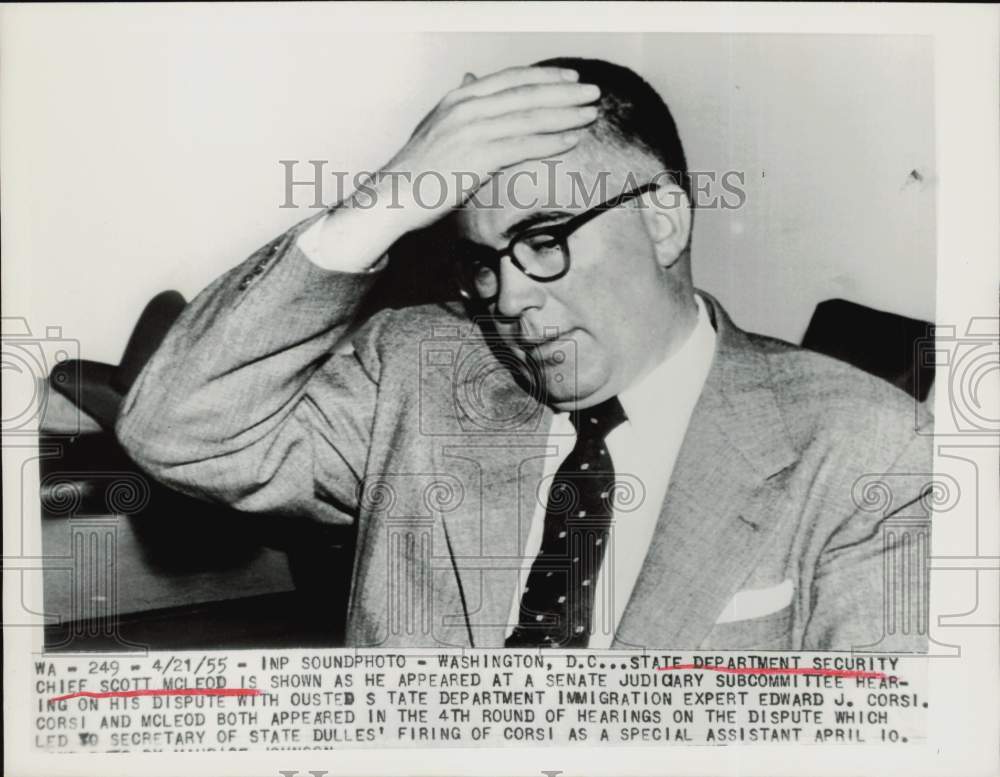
<point x="467" y="79"/>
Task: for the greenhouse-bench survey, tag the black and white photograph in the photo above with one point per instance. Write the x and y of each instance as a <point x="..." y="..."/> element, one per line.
<point x="430" y="433"/>
<point x="565" y="347"/>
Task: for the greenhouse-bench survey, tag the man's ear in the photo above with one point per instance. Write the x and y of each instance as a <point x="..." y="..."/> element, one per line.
<point x="666" y="214"/>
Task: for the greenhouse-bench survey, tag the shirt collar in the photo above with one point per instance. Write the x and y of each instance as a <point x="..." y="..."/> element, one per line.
<point x="666" y="396"/>
<point x="661" y="402"/>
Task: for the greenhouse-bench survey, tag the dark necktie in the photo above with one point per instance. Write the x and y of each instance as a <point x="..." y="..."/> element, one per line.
<point x="557" y="603"/>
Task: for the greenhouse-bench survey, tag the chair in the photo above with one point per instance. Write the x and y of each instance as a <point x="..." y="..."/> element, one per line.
<point x="199" y="553"/>
<point x="100" y="388"/>
<point x="882" y="344"/>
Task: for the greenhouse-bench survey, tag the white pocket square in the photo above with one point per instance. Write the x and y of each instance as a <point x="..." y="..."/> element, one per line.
<point x="757" y="602"/>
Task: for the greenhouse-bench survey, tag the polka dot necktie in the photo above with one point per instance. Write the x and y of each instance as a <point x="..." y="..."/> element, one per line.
<point x="557" y="603"/>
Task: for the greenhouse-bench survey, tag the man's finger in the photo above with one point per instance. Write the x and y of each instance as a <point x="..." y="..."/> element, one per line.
<point x="524" y="98"/>
<point x="467" y="79"/>
<point x="515" y="76"/>
<point x="536" y="121"/>
<point x="514" y="151"/>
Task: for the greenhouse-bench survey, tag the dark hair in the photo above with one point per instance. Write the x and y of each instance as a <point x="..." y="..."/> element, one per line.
<point x="631" y="113"/>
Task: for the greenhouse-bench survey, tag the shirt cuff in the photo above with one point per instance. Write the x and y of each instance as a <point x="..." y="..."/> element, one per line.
<point x="309" y="243"/>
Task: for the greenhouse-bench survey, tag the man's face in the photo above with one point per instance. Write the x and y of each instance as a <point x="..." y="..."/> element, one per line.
<point x="594" y="331"/>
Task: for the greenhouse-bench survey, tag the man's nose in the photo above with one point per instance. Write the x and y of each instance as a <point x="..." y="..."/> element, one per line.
<point x="518" y="292"/>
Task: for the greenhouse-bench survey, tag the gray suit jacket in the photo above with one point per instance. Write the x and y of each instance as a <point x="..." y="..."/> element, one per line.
<point x="795" y="516"/>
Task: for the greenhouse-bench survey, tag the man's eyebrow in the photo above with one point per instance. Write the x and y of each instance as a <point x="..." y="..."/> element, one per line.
<point x="533" y="219"/>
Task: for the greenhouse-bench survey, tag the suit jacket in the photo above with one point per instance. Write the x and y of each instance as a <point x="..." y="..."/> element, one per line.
<point x="795" y="516"/>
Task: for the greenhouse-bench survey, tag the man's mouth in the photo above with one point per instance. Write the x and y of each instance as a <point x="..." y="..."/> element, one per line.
<point x="547" y="351"/>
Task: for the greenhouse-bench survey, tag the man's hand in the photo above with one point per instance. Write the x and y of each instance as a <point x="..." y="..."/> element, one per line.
<point x="481" y="127"/>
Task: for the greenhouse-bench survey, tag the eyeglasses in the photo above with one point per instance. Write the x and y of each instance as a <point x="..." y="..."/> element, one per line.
<point x="541" y="253"/>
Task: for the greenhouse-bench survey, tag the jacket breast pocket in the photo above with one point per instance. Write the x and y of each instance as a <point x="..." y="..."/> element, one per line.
<point x="769" y="632"/>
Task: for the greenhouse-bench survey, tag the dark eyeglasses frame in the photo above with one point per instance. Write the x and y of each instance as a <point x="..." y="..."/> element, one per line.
<point x="560" y="233"/>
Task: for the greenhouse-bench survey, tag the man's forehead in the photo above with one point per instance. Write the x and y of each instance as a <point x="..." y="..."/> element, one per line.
<point x="543" y="190"/>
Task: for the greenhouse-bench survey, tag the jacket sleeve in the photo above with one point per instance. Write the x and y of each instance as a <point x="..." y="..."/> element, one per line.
<point x="250" y="401"/>
<point x="870" y="590"/>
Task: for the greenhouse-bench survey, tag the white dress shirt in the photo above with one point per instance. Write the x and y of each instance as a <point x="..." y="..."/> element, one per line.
<point x="643" y="450"/>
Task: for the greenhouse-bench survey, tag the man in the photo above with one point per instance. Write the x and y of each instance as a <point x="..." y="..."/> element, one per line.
<point x="600" y="459"/>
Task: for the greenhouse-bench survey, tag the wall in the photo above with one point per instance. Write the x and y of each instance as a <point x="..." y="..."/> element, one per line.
<point x="140" y="150"/>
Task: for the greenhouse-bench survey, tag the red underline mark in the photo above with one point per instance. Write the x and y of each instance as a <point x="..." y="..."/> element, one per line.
<point x="778" y="670"/>
<point x="161" y="692"/>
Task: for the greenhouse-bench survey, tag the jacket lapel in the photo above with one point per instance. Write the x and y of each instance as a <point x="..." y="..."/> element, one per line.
<point x="485" y="547"/>
<point x="499" y="437"/>
<point x="715" y="522"/>
<point x="721" y="504"/>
